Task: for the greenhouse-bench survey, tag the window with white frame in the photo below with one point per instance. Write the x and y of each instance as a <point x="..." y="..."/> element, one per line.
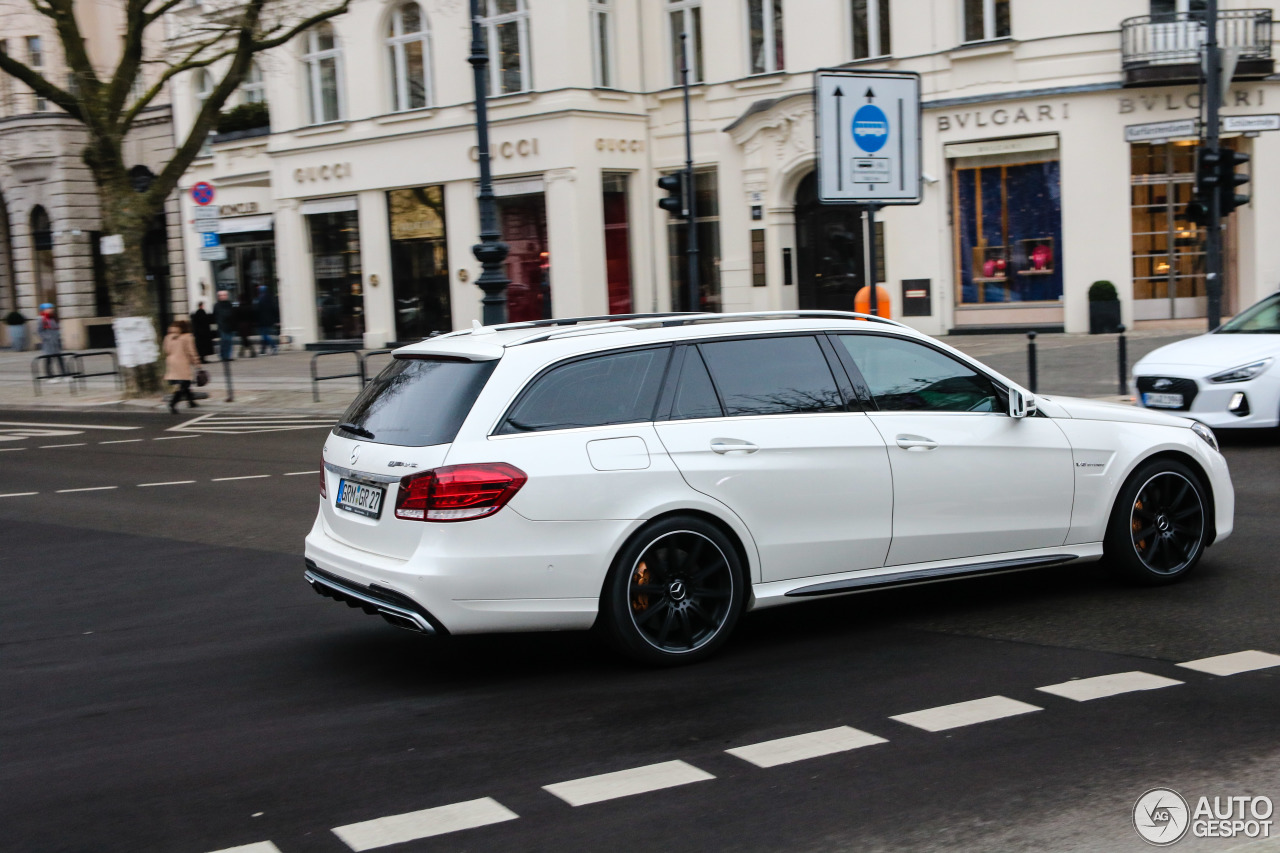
<point x="685" y="17"/>
<point x="203" y="89"/>
<point x="253" y="89"/>
<point x="764" y="36"/>
<point x="986" y="19"/>
<point x="507" y="29"/>
<point x="602" y="42"/>
<point x="35" y="60"/>
<point x="407" y="51"/>
<point x="870" y="28"/>
<point x="323" y="62"/>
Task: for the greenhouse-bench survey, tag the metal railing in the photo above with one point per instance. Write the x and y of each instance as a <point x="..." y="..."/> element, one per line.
<point x="1175" y="38"/>
<point x="316" y="378"/>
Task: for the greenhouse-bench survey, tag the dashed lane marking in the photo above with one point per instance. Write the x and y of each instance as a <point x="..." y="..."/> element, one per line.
<point x="627" y="783"/>
<point x="19" y="494"/>
<point x="785" y="750"/>
<point x="965" y="713"/>
<point x="53" y="446"/>
<point x="169" y="483"/>
<point x="1234" y="664"/>
<point x="246" y="477"/>
<point x="7" y="449"/>
<point x="65" y="426"/>
<point x="173" y="437"/>
<point x="397" y="829"/>
<point x="300" y="473"/>
<point x="89" y="489"/>
<point x="1085" y="689"/>
<point x="122" y="441"/>
<point x="257" y="847"/>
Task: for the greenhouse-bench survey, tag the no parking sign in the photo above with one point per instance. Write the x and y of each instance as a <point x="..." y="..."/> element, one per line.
<point x="202" y="193"/>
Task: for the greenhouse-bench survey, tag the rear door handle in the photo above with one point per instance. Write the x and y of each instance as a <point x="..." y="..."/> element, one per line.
<point x="916" y="442"/>
<point x="732" y="445"/>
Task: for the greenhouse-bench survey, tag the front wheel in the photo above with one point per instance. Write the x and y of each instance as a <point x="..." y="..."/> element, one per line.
<point x="674" y="592"/>
<point x="1159" y="525"/>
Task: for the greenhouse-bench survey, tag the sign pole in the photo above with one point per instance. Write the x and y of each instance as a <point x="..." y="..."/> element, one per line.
<point x="871" y="260"/>
<point x="1214" y="90"/>
<point x="690" y="193"/>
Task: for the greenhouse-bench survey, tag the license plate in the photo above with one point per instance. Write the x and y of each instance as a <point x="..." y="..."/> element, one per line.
<point x="359" y="498"/>
<point x="1162" y="401"/>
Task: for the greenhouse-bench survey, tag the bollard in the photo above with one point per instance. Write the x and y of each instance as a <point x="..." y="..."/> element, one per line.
<point x="1031" y="362"/>
<point x="1122" y="348"/>
<point x="226" y="374"/>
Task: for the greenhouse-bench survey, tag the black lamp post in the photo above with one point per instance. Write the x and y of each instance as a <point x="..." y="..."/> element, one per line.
<point x="490" y="251"/>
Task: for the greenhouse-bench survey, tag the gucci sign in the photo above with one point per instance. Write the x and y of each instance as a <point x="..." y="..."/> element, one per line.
<point x="322" y="173"/>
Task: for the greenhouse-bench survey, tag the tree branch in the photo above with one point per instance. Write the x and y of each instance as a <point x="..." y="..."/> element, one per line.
<point x="42" y="87"/>
<point x="190" y="63"/>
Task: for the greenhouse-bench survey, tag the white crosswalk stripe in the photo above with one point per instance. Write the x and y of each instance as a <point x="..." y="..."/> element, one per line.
<point x="256" y="847"/>
<point x="1235" y="663"/>
<point x="397" y="829"/>
<point x="965" y="713"/>
<point x="627" y="783"/>
<point x="785" y="750"/>
<point x="1099" y="687"/>
<point x="232" y="424"/>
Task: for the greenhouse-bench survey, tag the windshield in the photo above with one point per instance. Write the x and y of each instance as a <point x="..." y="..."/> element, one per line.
<point x="1261" y="319"/>
<point x="416" y="402"/>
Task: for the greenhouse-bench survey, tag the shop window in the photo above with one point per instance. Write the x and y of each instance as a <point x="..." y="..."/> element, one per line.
<point x="419" y="262"/>
<point x="522" y="219"/>
<point x="685" y="17"/>
<point x="764" y="30"/>
<point x="1008" y="221"/>
<point x="602" y="42"/>
<point x="708" y="209"/>
<point x="507" y="28"/>
<point x="323" y="62"/>
<point x="335" y="259"/>
<point x="986" y="19"/>
<point x="409" y="57"/>
<point x="870" y="28"/>
<point x="617" y="243"/>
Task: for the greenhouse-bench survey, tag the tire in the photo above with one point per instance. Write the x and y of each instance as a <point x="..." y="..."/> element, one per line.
<point x="1159" y="525"/>
<point x="674" y="592"/>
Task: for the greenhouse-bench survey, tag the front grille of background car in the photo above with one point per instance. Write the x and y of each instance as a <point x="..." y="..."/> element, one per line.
<point x="1186" y="387"/>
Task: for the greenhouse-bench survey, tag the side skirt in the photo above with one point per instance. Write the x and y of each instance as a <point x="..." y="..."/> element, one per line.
<point x="931" y="575"/>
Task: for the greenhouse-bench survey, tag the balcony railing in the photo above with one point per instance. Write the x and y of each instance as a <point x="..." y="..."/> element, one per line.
<point x="1165" y="48"/>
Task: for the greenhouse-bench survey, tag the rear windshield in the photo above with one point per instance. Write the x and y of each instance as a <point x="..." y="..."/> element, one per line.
<point x="417" y="402"/>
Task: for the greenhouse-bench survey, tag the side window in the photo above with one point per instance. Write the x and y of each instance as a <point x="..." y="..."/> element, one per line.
<point x="905" y="376"/>
<point x="772" y="376"/>
<point x="695" y="395"/>
<point x="619" y="388"/>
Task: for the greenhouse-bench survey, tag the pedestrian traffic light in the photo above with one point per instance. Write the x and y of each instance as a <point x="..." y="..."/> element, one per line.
<point x="1208" y="174"/>
<point x="673" y="185"/>
<point x="1229" y="179"/>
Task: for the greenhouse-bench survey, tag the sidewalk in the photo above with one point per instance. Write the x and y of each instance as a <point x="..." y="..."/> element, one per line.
<point x="1073" y="365"/>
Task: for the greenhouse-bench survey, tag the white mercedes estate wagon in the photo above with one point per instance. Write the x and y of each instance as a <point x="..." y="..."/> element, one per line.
<point x="658" y="475"/>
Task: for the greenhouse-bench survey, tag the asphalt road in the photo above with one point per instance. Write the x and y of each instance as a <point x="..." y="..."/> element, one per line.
<point x="169" y="683"/>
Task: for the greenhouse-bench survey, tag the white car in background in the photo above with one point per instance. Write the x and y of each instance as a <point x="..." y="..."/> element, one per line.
<point x="660" y="475"/>
<point x="1227" y="378"/>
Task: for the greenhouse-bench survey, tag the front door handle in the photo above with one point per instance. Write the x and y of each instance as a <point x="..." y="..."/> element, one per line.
<point x="732" y="445"/>
<point x="916" y="442"/>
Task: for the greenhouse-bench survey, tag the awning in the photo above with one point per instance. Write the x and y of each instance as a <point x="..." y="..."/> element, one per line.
<point x="241" y="224"/>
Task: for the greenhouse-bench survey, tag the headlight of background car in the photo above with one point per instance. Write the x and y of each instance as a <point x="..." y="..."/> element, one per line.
<point x="1243" y="372"/>
<point x="1205" y="433"/>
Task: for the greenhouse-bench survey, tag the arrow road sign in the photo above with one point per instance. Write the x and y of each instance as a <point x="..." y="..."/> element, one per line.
<point x="873" y="156"/>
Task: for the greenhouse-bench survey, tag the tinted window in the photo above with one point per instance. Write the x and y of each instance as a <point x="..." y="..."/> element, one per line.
<point x="695" y="396"/>
<point x="772" y="376"/>
<point x="907" y="376"/>
<point x="613" y="389"/>
<point x="415" y="402"/>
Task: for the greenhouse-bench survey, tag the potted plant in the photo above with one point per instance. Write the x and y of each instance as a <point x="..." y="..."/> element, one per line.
<point x="1104" y="308"/>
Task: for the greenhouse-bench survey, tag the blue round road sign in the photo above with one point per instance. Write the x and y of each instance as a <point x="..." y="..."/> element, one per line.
<point x="202" y="193"/>
<point x="870" y="128"/>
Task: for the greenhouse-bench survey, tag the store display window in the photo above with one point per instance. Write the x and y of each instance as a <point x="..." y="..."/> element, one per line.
<point x="419" y="262"/>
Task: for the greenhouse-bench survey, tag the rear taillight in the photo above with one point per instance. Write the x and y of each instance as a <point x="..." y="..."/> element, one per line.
<point x="324" y="489"/>
<point x="458" y="492"/>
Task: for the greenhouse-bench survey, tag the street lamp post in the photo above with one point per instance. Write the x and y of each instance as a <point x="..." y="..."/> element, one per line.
<point x="490" y="251"/>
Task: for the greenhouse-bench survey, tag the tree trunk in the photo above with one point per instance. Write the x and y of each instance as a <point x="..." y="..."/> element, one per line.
<point x="123" y="214"/>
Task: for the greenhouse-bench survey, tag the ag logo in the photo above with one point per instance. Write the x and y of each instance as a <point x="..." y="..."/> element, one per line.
<point x="1161" y="817"/>
<point x="1161" y="384"/>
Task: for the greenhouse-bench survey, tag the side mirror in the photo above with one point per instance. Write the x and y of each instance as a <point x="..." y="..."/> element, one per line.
<point x="1021" y="405"/>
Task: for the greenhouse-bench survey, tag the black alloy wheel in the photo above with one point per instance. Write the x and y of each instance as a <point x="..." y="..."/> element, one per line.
<point x="675" y="592"/>
<point x="1159" y="525"/>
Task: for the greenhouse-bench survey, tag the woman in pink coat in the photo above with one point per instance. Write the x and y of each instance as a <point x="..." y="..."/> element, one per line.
<point x="179" y="357"/>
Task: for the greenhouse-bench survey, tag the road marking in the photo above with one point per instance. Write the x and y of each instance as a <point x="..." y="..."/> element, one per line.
<point x="1085" y="689"/>
<point x="66" y="426"/>
<point x="170" y="483"/>
<point x="230" y="424"/>
<point x="52" y="446"/>
<point x="90" y="489"/>
<point x="1235" y="663"/>
<point x="965" y="713"/>
<point x="124" y="441"/>
<point x="7" y="449"/>
<point x="174" y="437"/>
<point x="247" y="477"/>
<point x="396" y="829"/>
<point x="258" y="847"/>
<point x="626" y="783"/>
<point x="289" y="474"/>
<point x="19" y="494"/>
<point x="771" y="753"/>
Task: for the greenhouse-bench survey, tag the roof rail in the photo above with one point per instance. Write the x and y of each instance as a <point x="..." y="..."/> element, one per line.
<point x="563" y="321"/>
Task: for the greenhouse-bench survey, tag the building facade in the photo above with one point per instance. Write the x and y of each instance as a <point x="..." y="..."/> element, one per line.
<point x="50" y="222"/>
<point x="357" y="205"/>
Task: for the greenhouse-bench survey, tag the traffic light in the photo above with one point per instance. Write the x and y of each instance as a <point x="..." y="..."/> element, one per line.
<point x="1229" y="179"/>
<point x="673" y="185"/>
<point x="1208" y="173"/>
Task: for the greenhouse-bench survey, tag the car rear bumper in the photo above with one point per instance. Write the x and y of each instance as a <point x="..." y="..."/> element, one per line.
<point x="399" y="610"/>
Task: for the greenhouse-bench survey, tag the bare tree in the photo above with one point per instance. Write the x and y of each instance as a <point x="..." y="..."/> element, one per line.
<point x="222" y="37"/>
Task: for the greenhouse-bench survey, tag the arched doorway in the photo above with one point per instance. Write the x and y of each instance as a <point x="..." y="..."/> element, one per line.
<point x="830" y="261"/>
<point x="8" y="283"/>
<point x="42" y="257"/>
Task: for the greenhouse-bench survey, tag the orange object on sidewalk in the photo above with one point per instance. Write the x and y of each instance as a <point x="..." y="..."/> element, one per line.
<point x="862" y="301"/>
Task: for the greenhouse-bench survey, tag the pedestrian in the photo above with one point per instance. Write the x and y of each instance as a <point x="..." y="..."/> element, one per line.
<point x="17" y="324"/>
<point x="51" y="340"/>
<point x="264" y="308"/>
<point x="224" y="317"/>
<point x="202" y="329"/>
<point x="179" y="357"/>
<point x="244" y="325"/>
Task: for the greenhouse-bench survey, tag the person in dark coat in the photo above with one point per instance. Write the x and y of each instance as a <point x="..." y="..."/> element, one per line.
<point x="264" y="309"/>
<point x="202" y="328"/>
<point x="245" y="318"/>
<point x="224" y="315"/>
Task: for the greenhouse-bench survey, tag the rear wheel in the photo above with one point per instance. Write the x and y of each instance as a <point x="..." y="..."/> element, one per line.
<point x="674" y="592"/>
<point x="1159" y="524"/>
